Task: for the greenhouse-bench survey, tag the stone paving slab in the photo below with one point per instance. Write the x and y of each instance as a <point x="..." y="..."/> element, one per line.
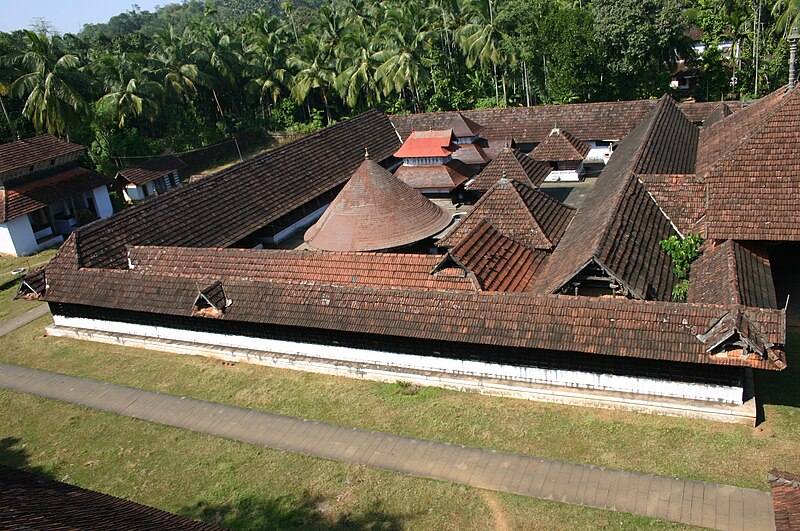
<point x="691" y="502"/>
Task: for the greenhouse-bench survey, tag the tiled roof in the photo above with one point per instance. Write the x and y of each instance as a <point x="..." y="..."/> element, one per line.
<point x="518" y="211"/>
<point x="471" y="154"/>
<point x="588" y="121"/>
<point x="33" y="284"/>
<point x="753" y="189"/>
<point x="28" y="501"/>
<point x="385" y="270"/>
<point x="152" y="169"/>
<point x="681" y="197"/>
<point x="32" y="196"/>
<point x="785" y="500"/>
<point x="640" y="329"/>
<point x="720" y="112"/>
<point x="376" y="210"/>
<point x="464" y="127"/>
<point x="428" y="144"/>
<point x="619" y="227"/>
<point x="21" y="153"/>
<point x="511" y="164"/>
<point x="499" y="263"/>
<point x="221" y="209"/>
<point x="671" y="144"/>
<point x="560" y="145"/>
<point x="733" y="274"/>
<point x="439" y="177"/>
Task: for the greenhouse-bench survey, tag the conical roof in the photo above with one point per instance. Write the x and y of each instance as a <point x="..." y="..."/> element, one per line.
<point x="560" y="146"/>
<point x="464" y="127"/>
<point x="374" y="211"/>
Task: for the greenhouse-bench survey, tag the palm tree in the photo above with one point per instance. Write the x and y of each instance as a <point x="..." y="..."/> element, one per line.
<point x="174" y="61"/>
<point x="264" y="56"/>
<point x="407" y="39"/>
<point x="220" y="56"/>
<point x="128" y="95"/>
<point x="480" y="38"/>
<point x="313" y="70"/>
<point x="787" y="14"/>
<point x="51" y="85"/>
<point x="356" y="66"/>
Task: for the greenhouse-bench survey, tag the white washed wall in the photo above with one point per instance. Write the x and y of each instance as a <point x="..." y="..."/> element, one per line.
<point x="568" y="378"/>
<point x="16" y="237"/>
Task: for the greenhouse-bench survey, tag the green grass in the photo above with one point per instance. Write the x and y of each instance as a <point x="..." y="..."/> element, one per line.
<point x="9" y="284"/>
<point x="247" y="487"/>
<point x="693" y="449"/>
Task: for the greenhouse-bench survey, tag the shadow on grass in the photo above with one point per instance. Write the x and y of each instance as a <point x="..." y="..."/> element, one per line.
<point x="14" y="455"/>
<point x="780" y="388"/>
<point x="289" y="512"/>
<point x="13" y="283"/>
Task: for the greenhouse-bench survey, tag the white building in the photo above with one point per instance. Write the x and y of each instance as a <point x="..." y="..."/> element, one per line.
<point x="45" y="193"/>
<point x="150" y="177"/>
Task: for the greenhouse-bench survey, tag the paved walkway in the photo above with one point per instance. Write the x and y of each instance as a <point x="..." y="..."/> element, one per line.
<point x="31" y="315"/>
<point x="692" y="502"/>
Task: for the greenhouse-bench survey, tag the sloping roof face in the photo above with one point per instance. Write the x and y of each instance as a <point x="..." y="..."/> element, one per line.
<point x="152" y="169"/>
<point x="385" y="270"/>
<point x="21" y="153"/>
<point x="518" y="211"/>
<point x="671" y="146"/>
<point x="464" y="127"/>
<point x="219" y="210"/>
<point x="30" y="197"/>
<point x="681" y="197"/>
<point x="560" y="146"/>
<point x="733" y="274"/>
<point x="620" y="226"/>
<point x="511" y="164"/>
<point x="785" y="500"/>
<point x="499" y="263"/>
<point x="471" y="154"/>
<point x="720" y="112"/>
<point x="428" y="144"/>
<point x="28" y="501"/>
<point x="440" y="177"/>
<point x="753" y="191"/>
<point x="375" y="210"/>
<point x="559" y="323"/>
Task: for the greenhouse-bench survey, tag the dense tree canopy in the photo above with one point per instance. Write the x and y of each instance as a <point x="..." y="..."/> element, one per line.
<point x="193" y="73"/>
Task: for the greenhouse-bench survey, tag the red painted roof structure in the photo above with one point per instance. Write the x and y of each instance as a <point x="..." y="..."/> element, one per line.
<point x="428" y="144"/>
<point x="375" y="211"/>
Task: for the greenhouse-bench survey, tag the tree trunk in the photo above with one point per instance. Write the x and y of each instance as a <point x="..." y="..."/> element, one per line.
<point x="496" y="88"/>
<point x="8" y="120"/>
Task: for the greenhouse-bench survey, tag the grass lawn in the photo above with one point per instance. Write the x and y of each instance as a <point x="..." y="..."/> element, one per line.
<point x="9" y="284"/>
<point x="246" y="487"/>
<point x="694" y="449"/>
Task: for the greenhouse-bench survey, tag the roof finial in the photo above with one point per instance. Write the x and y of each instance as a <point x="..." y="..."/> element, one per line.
<point x="366" y="153"/>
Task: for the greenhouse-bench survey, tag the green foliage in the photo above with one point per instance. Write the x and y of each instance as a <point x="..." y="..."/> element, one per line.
<point x="682" y="252"/>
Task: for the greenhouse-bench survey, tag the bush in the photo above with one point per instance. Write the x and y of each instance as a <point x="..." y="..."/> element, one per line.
<point x="682" y="253"/>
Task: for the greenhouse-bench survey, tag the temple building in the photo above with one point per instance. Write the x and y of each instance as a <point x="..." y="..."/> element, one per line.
<point x="152" y="176"/>
<point x="46" y="193"/>
<point x="564" y="153"/>
<point x="428" y="163"/>
<point x="527" y="297"/>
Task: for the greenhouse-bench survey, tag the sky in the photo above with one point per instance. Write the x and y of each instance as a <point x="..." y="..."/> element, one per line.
<point x="68" y="16"/>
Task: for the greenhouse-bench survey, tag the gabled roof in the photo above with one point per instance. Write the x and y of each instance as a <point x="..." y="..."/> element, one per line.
<point x="619" y="226"/>
<point x="518" y="211"/>
<point x="428" y="144"/>
<point x="440" y="177"/>
<point x="464" y="127"/>
<point x="785" y="499"/>
<point x="498" y="262"/>
<point x="22" y="153"/>
<point x="375" y="210"/>
<point x="754" y="183"/>
<point x="221" y="209"/>
<point x="560" y="145"/>
<point x="738" y="335"/>
<point x="514" y="165"/>
<point x="151" y="169"/>
<point x="730" y="273"/>
<point x="671" y="145"/>
<point x="28" y="501"/>
<point x="32" y="196"/>
<point x="385" y="270"/>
